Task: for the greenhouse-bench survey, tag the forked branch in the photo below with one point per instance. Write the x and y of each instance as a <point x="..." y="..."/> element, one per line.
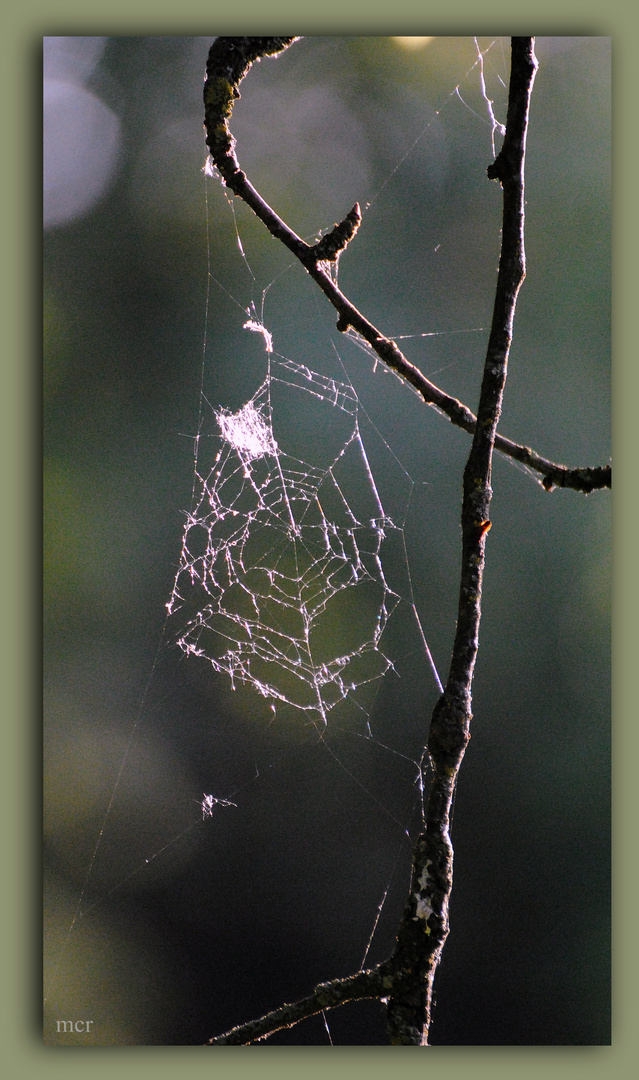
<point x="229" y="61"/>
<point x="405" y="981"/>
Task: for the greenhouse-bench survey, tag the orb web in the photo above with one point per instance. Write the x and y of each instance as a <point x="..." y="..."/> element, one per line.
<point x="280" y="583"/>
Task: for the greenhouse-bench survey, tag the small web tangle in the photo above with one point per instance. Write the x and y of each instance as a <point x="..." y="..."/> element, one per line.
<point x="280" y="583"/>
<point x="209" y="802"/>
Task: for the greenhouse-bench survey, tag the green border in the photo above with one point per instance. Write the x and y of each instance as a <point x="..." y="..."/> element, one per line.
<point x="23" y="28"/>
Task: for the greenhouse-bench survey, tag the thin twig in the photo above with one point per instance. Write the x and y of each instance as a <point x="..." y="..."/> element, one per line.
<point x="229" y="61"/>
<point x="365" y="984"/>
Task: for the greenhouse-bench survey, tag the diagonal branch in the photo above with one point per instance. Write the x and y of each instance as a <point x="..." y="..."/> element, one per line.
<point x="365" y="984"/>
<point x="229" y="61"/>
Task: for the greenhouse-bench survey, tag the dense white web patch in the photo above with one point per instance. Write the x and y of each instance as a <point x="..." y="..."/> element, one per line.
<point x="280" y="583"/>
<point x="247" y="432"/>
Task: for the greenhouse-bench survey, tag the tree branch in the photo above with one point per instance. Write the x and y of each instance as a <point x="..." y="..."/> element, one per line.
<point x="424" y="927"/>
<point x="229" y="61"/>
<point x="365" y="984"/>
<point x="405" y="981"/>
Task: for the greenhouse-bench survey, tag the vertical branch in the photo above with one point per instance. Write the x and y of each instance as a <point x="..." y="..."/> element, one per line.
<point x="424" y="926"/>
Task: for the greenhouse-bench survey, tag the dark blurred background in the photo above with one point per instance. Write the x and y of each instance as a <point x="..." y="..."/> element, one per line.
<point x="190" y="927"/>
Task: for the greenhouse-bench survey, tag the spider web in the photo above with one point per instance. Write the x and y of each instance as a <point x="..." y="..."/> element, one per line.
<point x="281" y="582"/>
<point x="284" y="581"/>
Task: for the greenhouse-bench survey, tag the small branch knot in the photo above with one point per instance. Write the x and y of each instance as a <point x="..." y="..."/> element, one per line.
<point x="334" y="242"/>
<point x="498" y="168"/>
